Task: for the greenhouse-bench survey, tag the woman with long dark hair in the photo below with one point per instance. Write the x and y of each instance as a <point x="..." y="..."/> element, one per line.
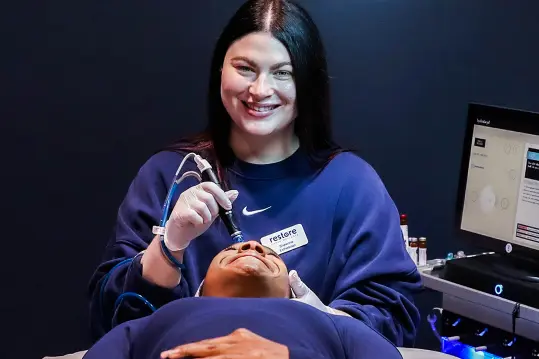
<point x="322" y="209"/>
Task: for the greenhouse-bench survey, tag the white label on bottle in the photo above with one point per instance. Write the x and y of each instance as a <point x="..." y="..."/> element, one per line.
<point x="508" y="248"/>
<point x="422" y="257"/>
<point x="404" y="229"/>
<point x="413" y="253"/>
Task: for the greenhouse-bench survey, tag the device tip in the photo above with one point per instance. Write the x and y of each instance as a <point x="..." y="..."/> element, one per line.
<point x="238" y="238"/>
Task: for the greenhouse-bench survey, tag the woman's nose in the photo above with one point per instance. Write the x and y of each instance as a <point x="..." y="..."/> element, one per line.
<point x="261" y="88"/>
<point x="252" y="246"/>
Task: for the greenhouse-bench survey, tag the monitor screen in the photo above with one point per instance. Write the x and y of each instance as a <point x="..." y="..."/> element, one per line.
<point x="499" y="189"/>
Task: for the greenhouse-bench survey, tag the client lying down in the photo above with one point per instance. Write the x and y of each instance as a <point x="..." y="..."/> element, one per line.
<point x="244" y="311"/>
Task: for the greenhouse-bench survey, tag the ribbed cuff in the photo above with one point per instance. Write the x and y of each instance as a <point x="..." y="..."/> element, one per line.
<point x="155" y="294"/>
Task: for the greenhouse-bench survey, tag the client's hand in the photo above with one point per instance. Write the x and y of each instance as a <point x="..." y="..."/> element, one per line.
<point x="240" y="344"/>
<point x="305" y="295"/>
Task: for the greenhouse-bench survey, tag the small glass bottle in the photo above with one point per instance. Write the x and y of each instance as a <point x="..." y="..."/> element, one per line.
<point x="404" y="228"/>
<point x="422" y="251"/>
<point x="412" y="249"/>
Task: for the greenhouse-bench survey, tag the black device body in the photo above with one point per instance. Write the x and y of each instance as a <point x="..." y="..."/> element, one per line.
<point x="226" y="215"/>
<point x="512" y="278"/>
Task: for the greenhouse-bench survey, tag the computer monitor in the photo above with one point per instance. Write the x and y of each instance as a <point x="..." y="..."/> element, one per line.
<point x="498" y="195"/>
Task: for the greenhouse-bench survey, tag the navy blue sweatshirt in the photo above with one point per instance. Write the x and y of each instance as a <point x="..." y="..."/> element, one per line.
<point x="307" y="332"/>
<point x="355" y="259"/>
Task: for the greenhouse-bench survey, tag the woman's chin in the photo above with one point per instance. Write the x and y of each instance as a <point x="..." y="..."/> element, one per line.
<point x="260" y="126"/>
<point x="257" y="129"/>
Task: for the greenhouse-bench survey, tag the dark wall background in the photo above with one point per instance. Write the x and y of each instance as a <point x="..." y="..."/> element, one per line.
<point x="91" y="89"/>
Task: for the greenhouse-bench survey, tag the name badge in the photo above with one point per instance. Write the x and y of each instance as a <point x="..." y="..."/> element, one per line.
<point x="286" y="239"/>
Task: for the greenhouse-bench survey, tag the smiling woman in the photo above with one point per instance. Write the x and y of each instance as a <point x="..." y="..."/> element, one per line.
<point x="259" y="92"/>
<point x="323" y="210"/>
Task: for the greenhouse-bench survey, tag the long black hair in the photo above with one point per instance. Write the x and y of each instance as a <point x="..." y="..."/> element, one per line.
<point x="294" y="28"/>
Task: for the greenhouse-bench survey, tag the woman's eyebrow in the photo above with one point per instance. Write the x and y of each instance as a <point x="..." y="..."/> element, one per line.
<point x="252" y="63"/>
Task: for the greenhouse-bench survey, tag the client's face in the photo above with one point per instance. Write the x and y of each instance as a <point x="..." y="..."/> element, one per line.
<point x="247" y="269"/>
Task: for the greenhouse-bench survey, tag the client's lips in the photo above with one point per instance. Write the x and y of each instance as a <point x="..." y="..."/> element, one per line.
<point x="266" y="262"/>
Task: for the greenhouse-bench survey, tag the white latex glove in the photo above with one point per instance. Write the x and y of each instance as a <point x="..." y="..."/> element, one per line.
<point x="195" y="211"/>
<point x="305" y="295"/>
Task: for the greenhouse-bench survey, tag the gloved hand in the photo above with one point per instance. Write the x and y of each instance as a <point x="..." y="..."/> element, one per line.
<point x="305" y="295"/>
<point x="194" y="212"/>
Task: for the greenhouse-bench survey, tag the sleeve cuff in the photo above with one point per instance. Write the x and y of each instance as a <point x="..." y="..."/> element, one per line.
<point x="155" y="294"/>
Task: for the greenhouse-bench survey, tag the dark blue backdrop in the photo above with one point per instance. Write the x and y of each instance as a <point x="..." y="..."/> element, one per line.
<point x="90" y="89"/>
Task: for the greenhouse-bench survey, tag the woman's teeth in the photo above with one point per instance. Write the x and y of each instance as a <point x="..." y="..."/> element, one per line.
<point x="261" y="108"/>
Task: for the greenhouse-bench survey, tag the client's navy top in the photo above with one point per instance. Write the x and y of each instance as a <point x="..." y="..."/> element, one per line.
<point x="353" y="258"/>
<point x="307" y="332"/>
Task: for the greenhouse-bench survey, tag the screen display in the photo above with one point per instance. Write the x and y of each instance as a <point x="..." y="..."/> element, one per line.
<point x="501" y="198"/>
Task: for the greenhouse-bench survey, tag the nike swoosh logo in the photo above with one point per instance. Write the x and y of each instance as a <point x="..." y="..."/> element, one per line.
<point x="250" y="213"/>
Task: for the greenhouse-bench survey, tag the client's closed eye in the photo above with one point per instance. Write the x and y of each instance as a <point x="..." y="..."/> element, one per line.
<point x="272" y="252"/>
